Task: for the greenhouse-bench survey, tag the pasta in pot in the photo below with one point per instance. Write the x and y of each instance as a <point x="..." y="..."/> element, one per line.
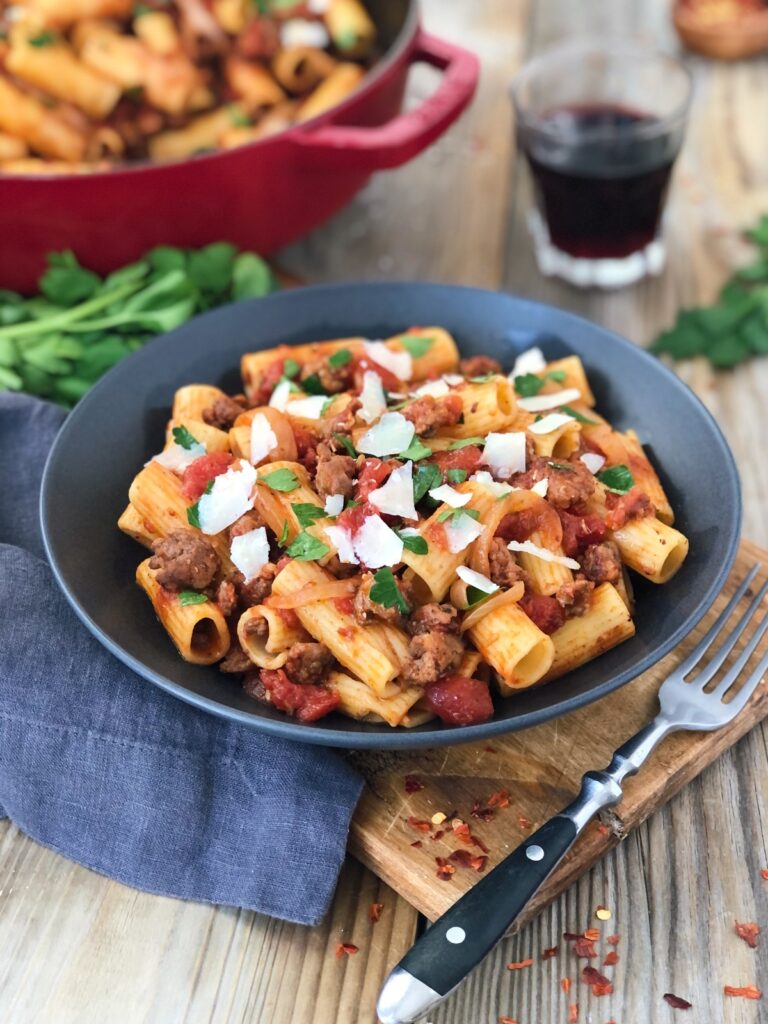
<point x="387" y="530"/>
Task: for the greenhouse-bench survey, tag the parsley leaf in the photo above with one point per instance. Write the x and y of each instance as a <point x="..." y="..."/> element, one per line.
<point x="415" y="451"/>
<point x="558" y="376"/>
<point x="579" y="417"/>
<point x="412" y="542"/>
<point x="44" y="38"/>
<point x="307" y="548"/>
<point x="464" y="443"/>
<point x="340" y="358"/>
<point x="280" y="480"/>
<point x="283" y="538"/>
<point x="456" y="476"/>
<point x="528" y="384"/>
<point x="191" y="597"/>
<point x="482" y="379"/>
<point x="290" y="368"/>
<point x="346" y="444"/>
<point x="327" y="404"/>
<point x="239" y="118"/>
<point x="307" y="514"/>
<point x="183" y="437"/>
<point x="425" y="478"/>
<point x="455" y="513"/>
<point x="416" y="345"/>
<point x="385" y="591"/>
<point x="617" y="479"/>
<point x="474" y="595"/>
<point x="312" y="385"/>
<point x="193" y="512"/>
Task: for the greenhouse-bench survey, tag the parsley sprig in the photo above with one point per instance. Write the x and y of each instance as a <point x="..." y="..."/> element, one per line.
<point x="385" y="591"/>
<point x="617" y="479"/>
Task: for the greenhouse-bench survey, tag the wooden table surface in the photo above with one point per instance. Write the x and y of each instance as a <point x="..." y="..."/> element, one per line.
<point x="76" y="948"/>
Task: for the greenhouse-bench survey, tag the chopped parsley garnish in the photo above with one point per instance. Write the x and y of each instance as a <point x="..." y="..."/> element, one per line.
<point x="464" y="443"/>
<point x="351" y="503"/>
<point x="183" y="437"/>
<point x="239" y="118"/>
<point x="474" y="595"/>
<point x="416" y="345"/>
<point x="617" y="479"/>
<point x="528" y="384"/>
<point x="415" y="451"/>
<point x="327" y="404"/>
<point x="560" y="465"/>
<point x="483" y="378"/>
<point x="312" y="385"/>
<point x="346" y="444"/>
<point x="283" y="538"/>
<point x="280" y="480"/>
<point x="140" y="10"/>
<point x="385" y="591"/>
<point x="580" y="417"/>
<point x="44" y="38"/>
<point x="413" y="542"/>
<point x="455" y="513"/>
<point x="307" y="548"/>
<point x="193" y="512"/>
<point x="456" y="476"/>
<point x="306" y="514"/>
<point x="290" y="368"/>
<point x="191" y="597"/>
<point x="340" y="358"/>
<point x="425" y="478"/>
<point x="558" y="376"/>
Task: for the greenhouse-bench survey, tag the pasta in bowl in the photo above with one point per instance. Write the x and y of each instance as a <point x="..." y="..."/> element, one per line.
<point x="387" y="530"/>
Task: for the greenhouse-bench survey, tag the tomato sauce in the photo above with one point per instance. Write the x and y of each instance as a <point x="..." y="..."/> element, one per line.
<point x="198" y="473"/>
<point x="305" y="702"/>
<point x="459" y="700"/>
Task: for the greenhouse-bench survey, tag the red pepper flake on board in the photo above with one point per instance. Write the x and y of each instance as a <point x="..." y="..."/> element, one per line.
<point x="573" y="1013"/>
<point x="764" y="873"/>
<point x="444" y="869"/>
<point x="479" y="844"/>
<point x="549" y="952"/>
<point x="461" y="830"/>
<point x="602" y="989"/>
<point x="374" y="911"/>
<point x="603" y="829"/>
<point x="438" y="835"/>
<point x="499" y="799"/>
<point x="746" y="992"/>
<point x="565" y="985"/>
<point x="413" y="784"/>
<point x="584" y="947"/>
<point x="592" y="934"/>
<point x="748" y="931"/>
<point x="419" y="824"/>
<point x="611" y="958"/>
<point x="417" y="844"/>
<point x="592" y="976"/>
<point x="346" y="949"/>
<point x="468" y="860"/>
<point x="613" y="940"/>
<point x="676" y="1002"/>
<point x="483" y="813"/>
<point x="519" y="965"/>
<point x="523" y="822"/>
<point x="506" y="1020"/>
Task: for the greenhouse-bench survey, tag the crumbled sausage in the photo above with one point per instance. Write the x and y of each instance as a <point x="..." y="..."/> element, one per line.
<point x="226" y="597"/>
<point x="570" y="483"/>
<point x="367" y="610"/>
<point x="601" y="563"/>
<point x="340" y="423"/>
<point x="257" y="590"/>
<point x="333" y="379"/>
<point x="428" y="413"/>
<point x="478" y="366"/>
<point x="256" y="626"/>
<point x="308" y="663"/>
<point x="335" y="473"/>
<point x="575" y="597"/>
<point x="184" y="559"/>
<point x="437" y="618"/>
<point x="503" y="568"/>
<point x="222" y="413"/>
<point x="236" y="660"/>
<point x="249" y="521"/>
<point x="430" y="656"/>
<point x="635" y="504"/>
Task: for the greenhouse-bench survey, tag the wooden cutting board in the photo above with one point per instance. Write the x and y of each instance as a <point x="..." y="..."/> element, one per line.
<point x="541" y="771"/>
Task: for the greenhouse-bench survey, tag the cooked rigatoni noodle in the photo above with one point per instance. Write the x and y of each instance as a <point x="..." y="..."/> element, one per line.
<point x="215" y="440"/>
<point x="201" y="133"/>
<point x="486" y="407"/>
<point x="646" y="477"/>
<point x="513" y="646"/>
<point x="158" y="31"/>
<point x="11" y="147"/>
<point x="27" y="118"/>
<point x="270" y="650"/>
<point x="192" y="400"/>
<point x="558" y="443"/>
<point x="252" y="83"/>
<point x="240" y="435"/>
<point x="199" y="631"/>
<point x="64" y="12"/>
<point x="232" y="15"/>
<point x="301" y="68"/>
<point x="544" y="577"/>
<point x="343" y="80"/>
<point x="606" y="623"/>
<point x="358" y="700"/>
<point x="575" y="377"/>
<point x="276" y="507"/>
<point x="651" y="548"/>
<point x="375" y="652"/>
<point x="350" y="26"/>
<point x="131" y="522"/>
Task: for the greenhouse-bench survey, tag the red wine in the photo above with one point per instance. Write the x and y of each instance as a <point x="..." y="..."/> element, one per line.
<point x="601" y="174"/>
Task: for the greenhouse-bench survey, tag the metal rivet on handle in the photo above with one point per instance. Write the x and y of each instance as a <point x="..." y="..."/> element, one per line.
<point x="455" y="935"/>
<point x="534" y="852"/>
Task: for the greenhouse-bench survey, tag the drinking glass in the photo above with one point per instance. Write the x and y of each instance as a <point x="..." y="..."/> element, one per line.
<point x="600" y="127"/>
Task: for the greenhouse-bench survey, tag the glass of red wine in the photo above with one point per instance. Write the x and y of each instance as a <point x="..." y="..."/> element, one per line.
<point x="600" y="128"/>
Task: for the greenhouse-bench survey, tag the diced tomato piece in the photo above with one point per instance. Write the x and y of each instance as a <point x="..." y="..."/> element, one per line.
<point x="459" y="700"/>
<point x="389" y="380"/>
<point x="288" y="615"/>
<point x="373" y="474"/>
<point x="580" y="532"/>
<point x="198" y="473"/>
<point x="345" y="605"/>
<point x="352" y="518"/>
<point x="305" y="702"/>
<point x="268" y="382"/>
<point x="635" y="504"/>
<point x="518" y="526"/>
<point x="545" y="612"/>
<point x="468" y="459"/>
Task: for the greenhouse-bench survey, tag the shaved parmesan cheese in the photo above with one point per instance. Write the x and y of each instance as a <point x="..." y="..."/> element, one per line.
<point x="280" y="395"/>
<point x="300" y="32"/>
<point x="177" y="458"/>
<point x="250" y="552"/>
<point x="334" y="503"/>
<point x="476" y="579"/>
<point x="593" y="461"/>
<point x="453" y="379"/>
<point x="395" y="496"/>
<point x="398" y="363"/>
<point x="409" y="531"/>
<point x="318" y="6"/>
<point x="496" y="489"/>
<point x="528" y="548"/>
<point x="263" y="438"/>
<point x="530" y="361"/>
<point x="547" y="424"/>
<point x="372" y="400"/>
<point x="376" y="545"/>
<point x="538" y="403"/>
<point x="308" y="408"/>
<point x="435" y="388"/>
<point x="449" y="496"/>
<point x="460" y="531"/>
<point x="505" y="453"/>
<point x="391" y="435"/>
<point x="541" y="487"/>
<point x="228" y="499"/>
<point x="341" y="539"/>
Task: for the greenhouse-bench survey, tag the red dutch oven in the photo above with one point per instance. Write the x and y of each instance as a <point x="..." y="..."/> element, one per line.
<point x="259" y="196"/>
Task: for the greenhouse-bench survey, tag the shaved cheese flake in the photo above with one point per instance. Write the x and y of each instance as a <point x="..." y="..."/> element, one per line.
<point x="318" y="6"/>
<point x="263" y="438"/>
<point x="505" y="453"/>
<point x="530" y="361"/>
<point x="409" y="531"/>
<point x="434" y="388"/>
<point x="250" y="552"/>
<point x="547" y="424"/>
<point x="228" y="499"/>
<point x="460" y="531"/>
<point x="541" y="488"/>
<point x="395" y="496"/>
<point x="372" y="401"/>
<point x="453" y="379"/>
<point x="334" y="503"/>
<point x="528" y="548"/>
<point x="593" y="461"/>
<point x="376" y="545"/>
<point x="449" y="496"/>
<point x="485" y="480"/>
<point x="390" y="436"/>
<point x="398" y="363"/>
<point x="307" y="408"/>
<point x="176" y="458"/>
<point x="341" y="539"/>
<point x="280" y="395"/>
<point x="538" y="403"/>
<point x="300" y="32"/>
<point x="476" y="580"/>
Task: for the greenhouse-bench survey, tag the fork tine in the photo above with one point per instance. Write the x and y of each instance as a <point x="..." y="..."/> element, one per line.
<point x="730" y="677"/>
<point x="733" y="707"/>
<point x="717" y="625"/>
<point x="728" y="644"/>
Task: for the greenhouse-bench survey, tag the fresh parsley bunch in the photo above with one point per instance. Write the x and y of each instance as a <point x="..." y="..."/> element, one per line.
<point x="57" y="344"/>
<point x="735" y="328"/>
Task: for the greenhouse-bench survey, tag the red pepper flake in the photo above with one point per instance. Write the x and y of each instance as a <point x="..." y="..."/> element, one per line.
<point x="461" y="830"/>
<point x="764" y="873"/>
<point x="613" y="940"/>
<point x="592" y="976"/>
<point x="749" y="932"/>
<point x="602" y="990"/>
<point x="611" y="959"/>
<point x="549" y="952"/>
<point x="506" y="1020"/>
<point x="584" y="947"/>
<point x="419" y="824"/>
<point x="444" y="869"/>
<point x="483" y="813"/>
<point x="479" y="844"/>
<point x="603" y="829"/>
<point x="570" y="936"/>
<point x="413" y="784"/>
<point x="573" y="1013"/>
<point x="565" y="985"/>
<point x="490" y="750"/>
<point x="438" y="835"/>
<point x="346" y="948"/>
<point x="417" y="844"/>
<point x="467" y="860"/>
<point x="676" y="1002"/>
<point x="499" y="799"/>
<point x="523" y="822"/>
<point x="520" y="964"/>
<point x="374" y="911"/>
<point x="592" y="934"/>
<point x="747" y="992"/>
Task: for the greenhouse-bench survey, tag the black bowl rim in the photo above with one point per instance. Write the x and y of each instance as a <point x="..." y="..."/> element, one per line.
<point x="399" y="739"/>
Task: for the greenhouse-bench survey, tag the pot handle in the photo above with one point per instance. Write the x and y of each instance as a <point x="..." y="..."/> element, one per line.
<point x="397" y="141"/>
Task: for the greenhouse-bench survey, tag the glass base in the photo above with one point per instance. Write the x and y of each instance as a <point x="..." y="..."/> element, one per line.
<point x="594" y="273"/>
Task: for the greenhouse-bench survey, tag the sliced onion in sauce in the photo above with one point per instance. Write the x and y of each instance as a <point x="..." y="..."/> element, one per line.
<point x="315" y="592"/>
<point x="494" y="602"/>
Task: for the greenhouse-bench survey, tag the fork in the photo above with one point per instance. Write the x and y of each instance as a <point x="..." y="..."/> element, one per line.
<point x="466" y="933"/>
